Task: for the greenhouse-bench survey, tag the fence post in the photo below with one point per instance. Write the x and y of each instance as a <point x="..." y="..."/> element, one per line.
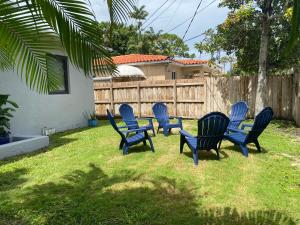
<point x="111" y="98"/>
<point x="139" y="99"/>
<point x="175" y="97"/>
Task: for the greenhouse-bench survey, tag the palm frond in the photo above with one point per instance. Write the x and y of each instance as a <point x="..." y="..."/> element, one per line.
<point x="75" y="24"/>
<point x="30" y="29"/>
<point x="119" y="10"/>
<point x="27" y="39"/>
<point x="5" y="59"/>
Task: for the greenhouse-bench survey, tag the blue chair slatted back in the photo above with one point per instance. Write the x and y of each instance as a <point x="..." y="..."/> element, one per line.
<point x="160" y="111"/>
<point x="127" y="115"/>
<point x="238" y="114"/>
<point x="211" y="128"/>
<point x="114" y="125"/>
<point x="261" y="121"/>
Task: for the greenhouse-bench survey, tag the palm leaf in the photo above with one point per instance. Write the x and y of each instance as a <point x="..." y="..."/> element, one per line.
<point x="119" y="10"/>
<point x="27" y="38"/>
<point x="5" y="59"/>
<point x="30" y="29"/>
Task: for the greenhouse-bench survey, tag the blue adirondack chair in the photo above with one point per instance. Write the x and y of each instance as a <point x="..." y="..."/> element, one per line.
<point x="211" y="129"/>
<point x="160" y="111"/>
<point x="241" y="137"/>
<point x="238" y="114"/>
<point x="131" y="121"/>
<point x="140" y="135"/>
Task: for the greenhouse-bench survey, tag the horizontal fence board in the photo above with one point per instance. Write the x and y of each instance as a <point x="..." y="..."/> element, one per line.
<point x="193" y="98"/>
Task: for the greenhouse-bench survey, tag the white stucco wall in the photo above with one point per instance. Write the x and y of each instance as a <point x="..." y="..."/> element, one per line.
<point x="62" y="111"/>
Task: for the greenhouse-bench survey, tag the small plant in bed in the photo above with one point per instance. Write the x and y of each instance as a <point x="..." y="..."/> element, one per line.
<point x="92" y="121"/>
<point x="6" y="108"/>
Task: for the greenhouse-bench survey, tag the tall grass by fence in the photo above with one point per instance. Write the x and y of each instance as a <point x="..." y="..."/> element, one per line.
<point x="192" y="98"/>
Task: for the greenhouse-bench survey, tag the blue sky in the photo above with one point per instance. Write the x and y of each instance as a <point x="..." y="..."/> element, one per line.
<point x="178" y="11"/>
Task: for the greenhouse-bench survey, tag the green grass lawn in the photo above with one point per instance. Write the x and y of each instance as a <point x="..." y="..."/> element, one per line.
<point x="82" y="178"/>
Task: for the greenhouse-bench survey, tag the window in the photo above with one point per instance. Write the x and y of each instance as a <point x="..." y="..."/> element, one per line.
<point x="58" y="65"/>
<point x="173" y="75"/>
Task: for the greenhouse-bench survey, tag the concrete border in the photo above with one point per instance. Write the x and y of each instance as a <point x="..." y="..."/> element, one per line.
<point x="25" y="145"/>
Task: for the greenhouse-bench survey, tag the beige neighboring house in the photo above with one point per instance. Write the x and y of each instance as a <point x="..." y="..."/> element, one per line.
<point x="159" y="67"/>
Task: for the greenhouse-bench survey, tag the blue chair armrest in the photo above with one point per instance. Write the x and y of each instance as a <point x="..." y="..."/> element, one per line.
<point x="246" y="125"/>
<point x="236" y="120"/>
<point x="186" y="134"/>
<point x="139" y="130"/>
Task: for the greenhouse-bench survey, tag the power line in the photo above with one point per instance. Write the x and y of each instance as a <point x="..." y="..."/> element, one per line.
<point x="155" y="11"/>
<point x="173" y="15"/>
<point x="192" y="20"/>
<point x="192" y="38"/>
<point x="159" y="14"/>
<point x="186" y="20"/>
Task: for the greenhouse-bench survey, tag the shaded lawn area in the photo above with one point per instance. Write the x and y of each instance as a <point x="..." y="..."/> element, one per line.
<point x="82" y="178"/>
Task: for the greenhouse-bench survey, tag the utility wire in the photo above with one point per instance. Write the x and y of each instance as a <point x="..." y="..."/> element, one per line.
<point x="159" y="15"/>
<point x="192" y="20"/>
<point x="183" y="22"/>
<point x="173" y="15"/>
<point x="155" y="11"/>
<point x="192" y="38"/>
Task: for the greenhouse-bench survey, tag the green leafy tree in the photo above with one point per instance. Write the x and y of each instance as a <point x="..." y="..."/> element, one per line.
<point x="257" y="33"/>
<point x="171" y="45"/>
<point x="139" y="14"/>
<point x="295" y="20"/>
<point x="30" y="29"/>
<point x="125" y="40"/>
<point x="119" y="40"/>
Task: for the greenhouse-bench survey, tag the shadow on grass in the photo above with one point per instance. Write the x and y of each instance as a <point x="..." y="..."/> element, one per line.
<point x="251" y="149"/>
<point x="284" y="124"/>
<point x="139" y="148"/>
<point x="92" y="197"/>
<point x="207" y="155"/>
<point x="12" y="179"/>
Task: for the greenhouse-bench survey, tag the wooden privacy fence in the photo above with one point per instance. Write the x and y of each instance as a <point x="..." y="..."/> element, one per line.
<point x="183" y="97"/>
<point x="192" y="98"/>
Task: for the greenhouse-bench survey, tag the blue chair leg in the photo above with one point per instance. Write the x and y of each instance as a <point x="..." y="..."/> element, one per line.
<point x="195" y="157"/>
<point x="121" y="144"/>
<point x="257" y="145"/>
<point x="125" y="149"/>
<point x="151" y="144"/>
<point x="220" y="143"/>
<point x="182" y="142"/>
<point x="153" y="131"/>
<point x="157" y="129"/>
<point x="218" y="154"/>
<point x="244" y="150"/>
<point x="166" y="131"/>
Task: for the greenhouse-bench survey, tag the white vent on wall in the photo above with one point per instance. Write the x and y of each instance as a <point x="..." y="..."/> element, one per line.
<point x="48" y="131"/>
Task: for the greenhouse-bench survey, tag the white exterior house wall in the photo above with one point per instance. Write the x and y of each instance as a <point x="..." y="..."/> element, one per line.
<point x="59" y="111"/>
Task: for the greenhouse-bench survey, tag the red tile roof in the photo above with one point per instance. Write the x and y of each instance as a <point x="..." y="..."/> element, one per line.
<point x="139" y="58"/>
<point x="191" y="61"/>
